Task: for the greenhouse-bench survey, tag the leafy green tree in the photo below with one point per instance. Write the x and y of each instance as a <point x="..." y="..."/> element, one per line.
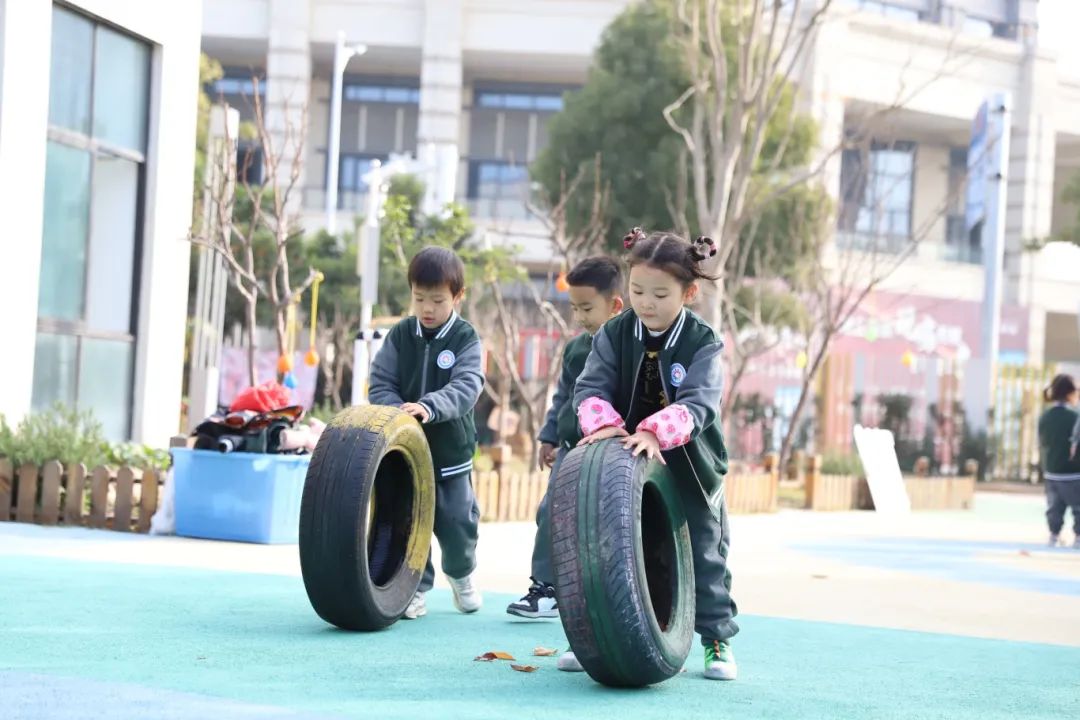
<point x="771" y="229"/>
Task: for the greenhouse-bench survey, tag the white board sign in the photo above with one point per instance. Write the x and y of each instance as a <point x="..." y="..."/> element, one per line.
<point x="877" y="450"/>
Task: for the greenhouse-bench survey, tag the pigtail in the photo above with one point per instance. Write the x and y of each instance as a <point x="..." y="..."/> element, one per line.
<point x="633" y="237"/>
<point x="702" y="249"/>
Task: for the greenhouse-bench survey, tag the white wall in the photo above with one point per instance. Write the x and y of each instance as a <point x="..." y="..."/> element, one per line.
<point x="930" y="193"/>
<point x="24" y="112"/>
<point x="174" y="30"/>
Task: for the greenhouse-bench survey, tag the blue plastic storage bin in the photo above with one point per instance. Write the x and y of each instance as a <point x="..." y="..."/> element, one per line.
<point x="238" y="496"/>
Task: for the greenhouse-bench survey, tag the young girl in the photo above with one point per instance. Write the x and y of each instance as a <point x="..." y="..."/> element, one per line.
<point x="655" y="371"/>
<point x="1060" y="469"/>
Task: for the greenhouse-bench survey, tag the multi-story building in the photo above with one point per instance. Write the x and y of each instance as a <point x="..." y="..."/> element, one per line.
<point x="97" y="130"/>
<point x="473" y="83"/>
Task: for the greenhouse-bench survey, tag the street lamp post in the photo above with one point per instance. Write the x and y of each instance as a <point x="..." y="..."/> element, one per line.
<point x="342" y="54"/>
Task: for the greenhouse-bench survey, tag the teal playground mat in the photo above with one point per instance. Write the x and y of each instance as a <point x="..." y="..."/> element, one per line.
<point x="127" y="641"/>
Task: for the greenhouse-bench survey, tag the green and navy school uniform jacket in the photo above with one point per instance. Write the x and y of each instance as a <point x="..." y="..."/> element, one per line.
<point x="442" y="373"/>
<point x="692" y="375"/>
<point x="1057" y="428"/>
<point x="561" y="425"/>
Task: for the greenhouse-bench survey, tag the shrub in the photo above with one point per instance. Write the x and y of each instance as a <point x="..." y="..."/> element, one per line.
<point x="59" y="433"/>
<point x="837" y="463"/>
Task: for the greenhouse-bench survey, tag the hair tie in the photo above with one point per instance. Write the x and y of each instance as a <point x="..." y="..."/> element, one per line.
<point x="633" y="237"/>
<point x="707" y="247"/>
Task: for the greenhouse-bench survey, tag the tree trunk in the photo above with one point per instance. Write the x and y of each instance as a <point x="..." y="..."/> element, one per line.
<point x="731" y="392"/>
<point x="710" y="304"/>
<point x="252" y="375"/>
<point x="800" y="406"/>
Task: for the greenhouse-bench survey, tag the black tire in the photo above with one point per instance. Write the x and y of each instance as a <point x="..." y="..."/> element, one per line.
<point x="623" y="566"/>
<point x="366" y="517"/>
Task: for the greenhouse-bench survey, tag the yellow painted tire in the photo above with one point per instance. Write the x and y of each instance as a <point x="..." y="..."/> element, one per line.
<point x="366" y="518"/>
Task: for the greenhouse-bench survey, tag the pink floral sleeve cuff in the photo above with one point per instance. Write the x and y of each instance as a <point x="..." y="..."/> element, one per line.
<point x="672" y="426"/>
<point x="596" y="414"/>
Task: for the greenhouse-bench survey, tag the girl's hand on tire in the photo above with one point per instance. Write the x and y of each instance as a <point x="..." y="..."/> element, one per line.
<point x="603" y="434"/>
<point x="417" y="410"/>
<point x="644" y="441"/>
<point x="547" y="455"/>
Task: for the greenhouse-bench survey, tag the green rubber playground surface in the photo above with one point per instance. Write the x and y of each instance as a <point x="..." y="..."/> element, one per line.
<point x="90" y="640"/>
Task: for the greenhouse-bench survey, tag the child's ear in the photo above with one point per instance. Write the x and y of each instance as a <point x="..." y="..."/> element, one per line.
<point x="617" y="305"/>
<point x="691" y="293"/>
<point x="459" y="297"/>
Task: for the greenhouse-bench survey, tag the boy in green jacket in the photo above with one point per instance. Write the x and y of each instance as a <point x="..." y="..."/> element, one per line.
<point x="429" y="366"/>
<point x="595" y="297"/>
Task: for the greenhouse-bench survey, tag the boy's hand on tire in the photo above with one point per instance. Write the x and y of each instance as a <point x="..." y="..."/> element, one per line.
<point x="547" y="455"/>
<point x="417" y="410"/>
<point x="603" y="434"/>
<point x="644" y="441"/>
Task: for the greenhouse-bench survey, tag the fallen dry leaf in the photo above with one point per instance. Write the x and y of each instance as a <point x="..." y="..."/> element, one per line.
<point x="544" y="652"/>
<point x="489" y="656"/>
<point x="1025" y="553"/>
<point x="525" y="668"/>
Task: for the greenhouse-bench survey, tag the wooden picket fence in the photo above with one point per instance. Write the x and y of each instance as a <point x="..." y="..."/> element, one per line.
<point x="1018" y="403"/>
<point x="516" y="497"/>
<point x="831" y="493"/>
<point x="122" y="499"/>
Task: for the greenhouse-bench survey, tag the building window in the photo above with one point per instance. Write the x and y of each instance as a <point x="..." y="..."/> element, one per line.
<point x="498" y="189"/>
<point x="379" y="117"/>
<point x="539" y="102"/>
<point x="983" y="27"/>
<point x="237" y="89"/>
<point x="95" y="166"/>
<point x="877" y="189"/>
<point x="242" y="85"/>
<point x="352" y="188"/>
<point x="507" y="129"/>
<point x="361" y="93"/>
<point x="888" y="9"/>
<point x="960" y="245"/>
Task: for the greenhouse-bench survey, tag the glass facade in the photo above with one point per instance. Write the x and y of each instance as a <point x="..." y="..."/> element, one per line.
<point x="98" y="121"/>
<point x="877" y="188"/>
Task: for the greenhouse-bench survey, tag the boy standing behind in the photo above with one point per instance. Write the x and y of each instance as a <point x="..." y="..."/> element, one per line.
<point x="429" y="366"/>
<point x="595" y="297"/>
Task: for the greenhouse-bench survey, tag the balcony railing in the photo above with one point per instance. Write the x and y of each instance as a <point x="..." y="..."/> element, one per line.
<point x="498" y="209"/>
<point x="956" y="246"/>
<point x="348" y="201"/>
<point x="884" y="244"/>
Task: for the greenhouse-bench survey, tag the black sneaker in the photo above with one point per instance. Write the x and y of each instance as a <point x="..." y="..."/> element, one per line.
<point x="539" y="602"/>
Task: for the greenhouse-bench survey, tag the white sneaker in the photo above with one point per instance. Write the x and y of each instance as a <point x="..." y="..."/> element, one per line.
<point x="1055" y="540"/>
<point x="467" y="599"/>
<point x="568" y="662"/>
<point x="417" y="607"/>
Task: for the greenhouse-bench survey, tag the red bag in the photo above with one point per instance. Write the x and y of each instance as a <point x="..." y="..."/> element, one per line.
<point x="271" y="395"/>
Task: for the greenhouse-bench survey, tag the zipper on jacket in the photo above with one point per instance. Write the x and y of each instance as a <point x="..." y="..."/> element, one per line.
<point x="633" y="393"/>
<point x="424" y="369"/>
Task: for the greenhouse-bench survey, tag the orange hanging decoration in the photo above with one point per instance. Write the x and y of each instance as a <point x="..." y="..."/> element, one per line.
<point x="311" y="359"/>
<point x="284" y="364"/>
<point x="561" y="283"/>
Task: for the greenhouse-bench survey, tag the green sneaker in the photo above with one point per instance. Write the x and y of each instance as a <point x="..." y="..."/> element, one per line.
<point x="720" y="661"/>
